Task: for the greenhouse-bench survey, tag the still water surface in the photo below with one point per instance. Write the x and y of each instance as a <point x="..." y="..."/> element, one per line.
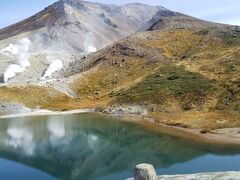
<point x="93" y="146"/>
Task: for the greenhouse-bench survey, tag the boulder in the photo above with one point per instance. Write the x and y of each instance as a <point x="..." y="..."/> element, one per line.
<point x="145" y="172"/>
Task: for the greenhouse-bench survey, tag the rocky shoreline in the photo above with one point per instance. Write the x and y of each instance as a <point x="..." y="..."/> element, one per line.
<point x="226" y="136"/>
<point x="139" y="115"/>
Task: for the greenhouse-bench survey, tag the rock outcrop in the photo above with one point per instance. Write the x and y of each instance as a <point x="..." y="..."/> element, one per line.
<point x="145" y="172"/>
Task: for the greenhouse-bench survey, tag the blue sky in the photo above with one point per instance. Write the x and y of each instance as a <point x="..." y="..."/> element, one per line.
<point x="224" y="11"/>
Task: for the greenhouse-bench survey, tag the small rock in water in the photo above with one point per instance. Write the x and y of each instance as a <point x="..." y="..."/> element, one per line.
<point x="145" y="172"/>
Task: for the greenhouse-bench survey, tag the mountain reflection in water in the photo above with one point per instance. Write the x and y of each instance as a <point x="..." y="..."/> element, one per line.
<point x="93" y="146"/>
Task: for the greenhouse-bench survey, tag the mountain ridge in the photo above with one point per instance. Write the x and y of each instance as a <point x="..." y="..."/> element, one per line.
<point x="58" y="6"/>
<point x="57" y="10"/>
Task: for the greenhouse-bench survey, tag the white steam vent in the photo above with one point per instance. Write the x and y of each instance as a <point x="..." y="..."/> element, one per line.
<point x="12" y="70"/>
<point x="10" y="50"/>
<point x="55" y="66"/>
<point x="91" y="49"/>
<point x="20" y="51"/>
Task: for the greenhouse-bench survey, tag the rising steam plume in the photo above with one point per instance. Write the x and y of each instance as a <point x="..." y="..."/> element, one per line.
<point x="20" y="51"/>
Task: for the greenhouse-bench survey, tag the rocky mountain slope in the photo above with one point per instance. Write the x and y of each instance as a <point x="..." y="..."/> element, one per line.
<point x="35" y="49"/>
<point x="185" y="77"/>
<point x="182" y="71"/>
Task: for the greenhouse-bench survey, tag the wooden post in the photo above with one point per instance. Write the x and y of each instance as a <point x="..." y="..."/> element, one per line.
<point x="145" y="172"/>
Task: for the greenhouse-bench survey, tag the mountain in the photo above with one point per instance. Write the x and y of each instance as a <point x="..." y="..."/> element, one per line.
<point x="178" y="69"/>
<point x="63" y="34"/>
<point x="186" y="77"/>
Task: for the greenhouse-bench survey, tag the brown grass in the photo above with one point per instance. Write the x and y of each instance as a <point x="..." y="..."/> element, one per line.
<point x="185" y="77"/>
<point x="34" y="96"/>
<point x="200" y="120"/>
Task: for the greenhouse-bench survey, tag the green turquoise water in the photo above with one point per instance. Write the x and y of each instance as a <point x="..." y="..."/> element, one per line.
<point x="93" y="146"/>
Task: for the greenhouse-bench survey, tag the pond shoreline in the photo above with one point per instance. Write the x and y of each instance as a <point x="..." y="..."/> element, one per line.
<point x="43" y="112"/>
<point x="230" y="136"/>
